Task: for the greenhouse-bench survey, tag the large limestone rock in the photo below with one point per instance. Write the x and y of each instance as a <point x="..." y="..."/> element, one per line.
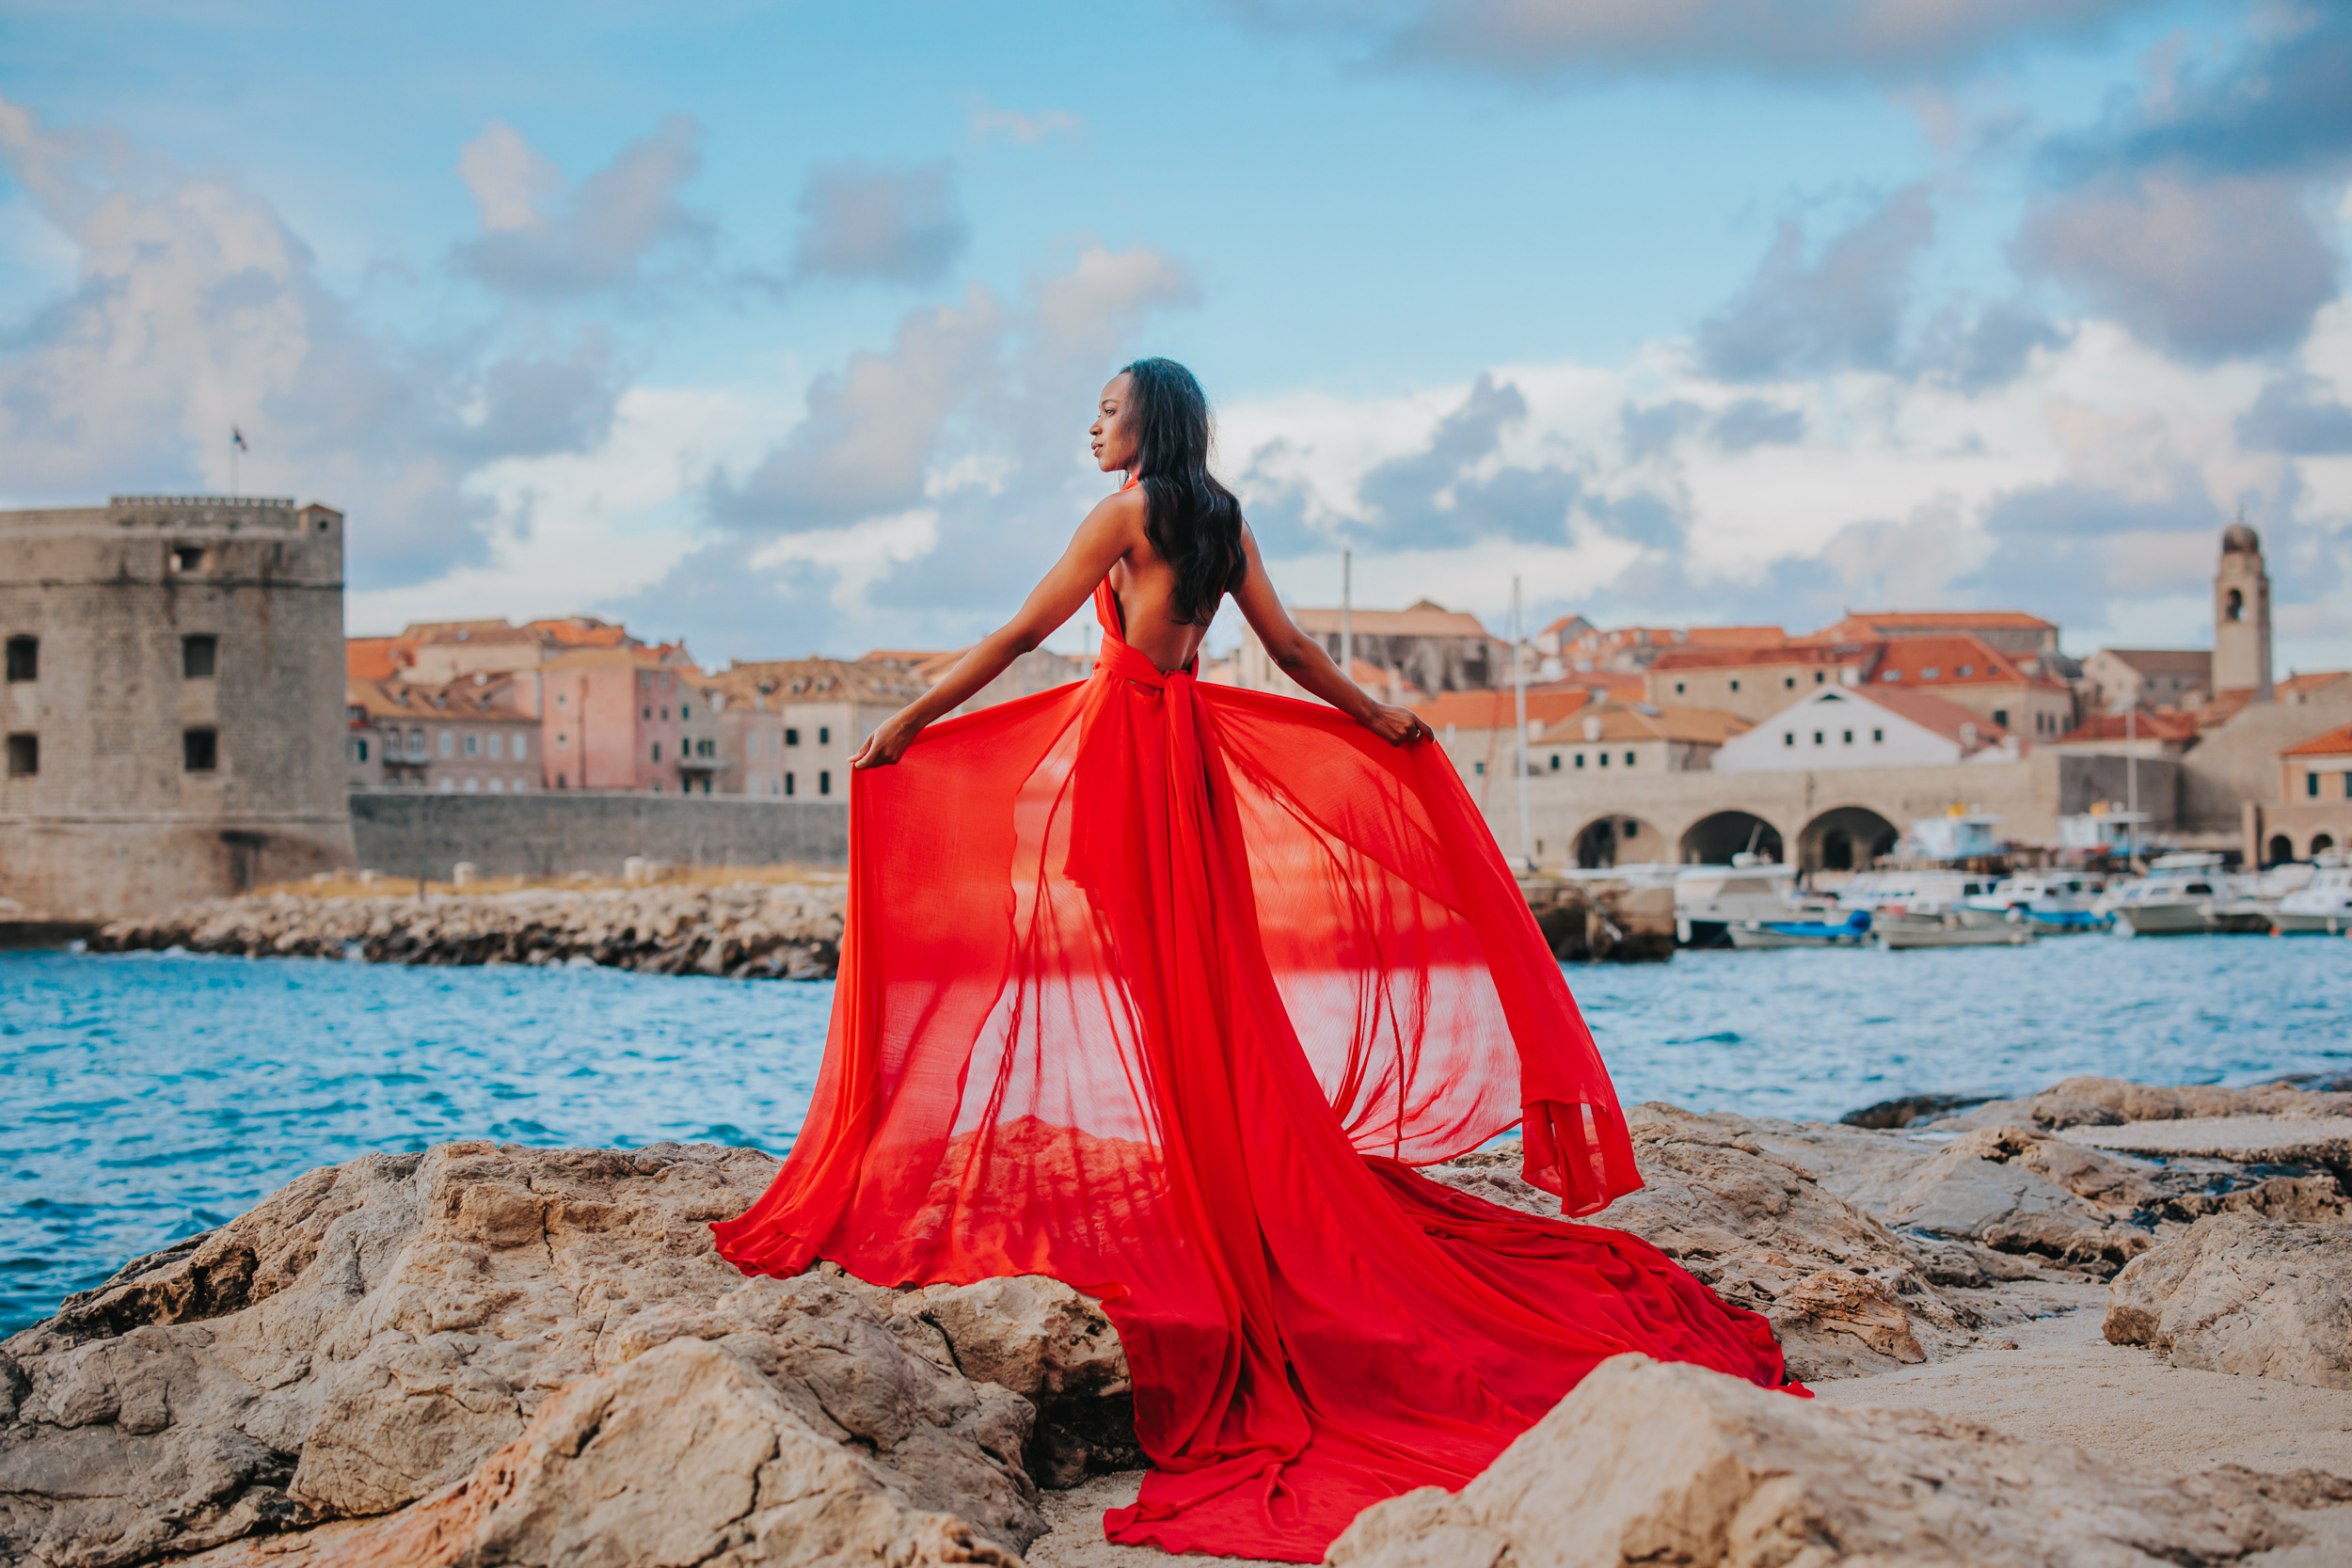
<point x="2240" y="1294"/>
<point x="2019" y="1190"/>
<point x="373" y="1331"/>
<point x="2113" y="1101"/>
<point x="1647" y="1463"/>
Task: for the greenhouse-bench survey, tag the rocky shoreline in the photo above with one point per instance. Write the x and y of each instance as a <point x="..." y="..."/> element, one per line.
<point x="492" y="1354"/>
<point x="739" y="930"/>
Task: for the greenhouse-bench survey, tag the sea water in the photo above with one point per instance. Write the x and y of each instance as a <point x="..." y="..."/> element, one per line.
<point x="145" y="1096"/>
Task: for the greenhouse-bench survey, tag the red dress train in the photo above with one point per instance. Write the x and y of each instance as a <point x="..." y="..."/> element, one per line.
<point x="1163" y="989"/>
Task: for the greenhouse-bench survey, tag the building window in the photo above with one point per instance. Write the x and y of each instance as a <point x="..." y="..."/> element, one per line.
<point x="497" y="746"/>
<point x="200" y="657"/>
<point x="358" y="750"/>
<point x="1849" y="738"/>
<point x="1479" y="769"/>
<point x="2000" y="717"/>
<point x="791" y="738"/>
<point x="1604" y="758"/>
<point x="1892" y="675"/>
<point x="448" y="743"/>
<point x="787" y="783"/>
<point x="1966" y="671"/>
<point x="1632" y="829"/>
<point x="1816" y="737"/>
<point x="519" y="785"/>
<point x="416" y="745"/>
<point x="665" y="715"/>
<point x="448" y="786"/>
<point x="656" y="751"/>
<point x="1628" y="759"/>
<point x="684" y="713"/>
<point x="473" y="745"/>
<point x="1579" y="759"/>
<point x="23" y="756"/>
<point x="24" y="658"/>
<point x="649" y="712"/>
<point x="1820" y="676"/>
<point x="522" y="747"/>
<point x="1877" y="736"/>
<point x="824" y="784"/>
<point x="2310" y="783"/>
<point x="1788" y="683"/>
<point x="497" y="786"/>
<point x="473" y="786"/>
<point x="199" y="750"/>
<point x="190" y="557"/>
<point x="1735" y="684"/>
<point x="1929" y="672"/>
<point x="2235" y="609"/>
<point x="1678" y="688"/>
<point x="563" y="780"/>
<point x="825" y="734"/>
<point x="1555" y="762"/>
<point x="1787" y="737"/>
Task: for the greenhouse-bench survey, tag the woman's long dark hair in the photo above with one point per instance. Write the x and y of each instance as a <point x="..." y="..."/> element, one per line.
<point x="1194" y="522"/>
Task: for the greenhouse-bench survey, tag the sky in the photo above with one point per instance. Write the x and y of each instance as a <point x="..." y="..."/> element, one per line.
<point x="778" y="328"/>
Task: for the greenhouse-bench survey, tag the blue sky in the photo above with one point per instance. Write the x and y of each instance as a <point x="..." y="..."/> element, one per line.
<point x="776" y="326"/>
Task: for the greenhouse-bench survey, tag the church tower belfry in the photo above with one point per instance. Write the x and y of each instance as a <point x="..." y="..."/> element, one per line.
<point x="2241" y="615"/>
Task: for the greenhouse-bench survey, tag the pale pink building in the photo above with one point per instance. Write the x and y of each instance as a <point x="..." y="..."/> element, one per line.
<point x="624" y="718"/>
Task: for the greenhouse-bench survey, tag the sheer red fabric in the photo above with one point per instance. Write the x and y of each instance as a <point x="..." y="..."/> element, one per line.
<point x="1162" y="990"/>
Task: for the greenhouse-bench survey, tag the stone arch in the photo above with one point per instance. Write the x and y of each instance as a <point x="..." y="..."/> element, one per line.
<point x="1845" y="838"/>
<point x="2321" y="844"/>
<point x="1713" y="839"/>
<point x="2279" y="849"/>
<point x="1616" y="839"/>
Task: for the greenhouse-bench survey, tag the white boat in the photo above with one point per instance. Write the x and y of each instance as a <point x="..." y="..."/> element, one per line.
<point x="2054" y="903"/>
<point x="1710" y="900"/>
<point x="1949" y="931"/>
<point x="2180" y="896"/>
<point x="2323" y="905"/>
<point x="2255" y="908"/>
<point x="1929" y="892"/>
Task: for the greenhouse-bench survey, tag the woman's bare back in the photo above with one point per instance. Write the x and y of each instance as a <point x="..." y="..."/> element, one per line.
<point x="1145" y="586"/>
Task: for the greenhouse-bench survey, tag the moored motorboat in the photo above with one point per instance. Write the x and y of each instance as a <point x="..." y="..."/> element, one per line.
<point x="1853" y="931"/>
<point x="2052" y="903"/>
<point x="2254" y="909"/>
<point x="1950" y="931"/>
<point x="2322" y="907"/>
<point x="2180" y="896"/>
<point x="1710" y="900"/>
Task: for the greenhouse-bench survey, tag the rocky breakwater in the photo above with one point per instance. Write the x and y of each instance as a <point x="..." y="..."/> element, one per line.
<point x="1602" y="921"/>
<point x="488" y="1353"/>
<point x="744" y="930"/>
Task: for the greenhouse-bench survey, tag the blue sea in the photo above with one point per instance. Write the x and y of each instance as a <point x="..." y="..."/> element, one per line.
<point x="150" y="1096"/>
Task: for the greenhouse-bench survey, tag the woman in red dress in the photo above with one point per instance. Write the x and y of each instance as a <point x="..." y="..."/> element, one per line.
<point x="1164" y="989"/>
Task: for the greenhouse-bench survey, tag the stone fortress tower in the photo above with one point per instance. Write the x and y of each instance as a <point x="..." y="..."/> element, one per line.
<point x="2241" y="615"/>
<point x="174" y="702"/>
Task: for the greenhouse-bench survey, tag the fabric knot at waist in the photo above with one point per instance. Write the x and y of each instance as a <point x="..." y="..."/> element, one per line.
<point x="1123" y="662"/>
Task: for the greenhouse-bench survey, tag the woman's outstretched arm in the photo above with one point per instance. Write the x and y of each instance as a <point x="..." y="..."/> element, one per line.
<point x="1108" y="532"/>
<point x="1302" y="658"/>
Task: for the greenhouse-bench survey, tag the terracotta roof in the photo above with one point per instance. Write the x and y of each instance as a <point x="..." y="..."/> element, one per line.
<point x="1925" y="708"/>
<point x="581" y="631"/>
<point x="464" y="632"/>
<point x="372" y="658"/>
<point x="638" y="657"/>
<point x="1424" y="618"/>
<point x="493" y="699"/>
<point x="2151" y="724"/>
<point x="905" y="655"/>
<point x="2169" y="661"/>
<point x="1864" y="623"/>
<point x="1559" y="713"/>
<point x="1739" y="637"/>
<point x="1956" y="661"/>
<point x="2335" y="743"/>
<point x="1627" y="684"/>
<point x="822" y="680"/>
<point x="1800" y="653"/>
<point x="2304" y="685"/>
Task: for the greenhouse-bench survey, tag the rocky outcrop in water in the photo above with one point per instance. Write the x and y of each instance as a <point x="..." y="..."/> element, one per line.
<point x="2240" y="1294"/>
<point x="745" y="930"/>
<point x="1644" y="1463"/>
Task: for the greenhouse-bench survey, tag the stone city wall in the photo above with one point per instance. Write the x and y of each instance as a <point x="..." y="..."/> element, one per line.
<point x="556" y="832"/>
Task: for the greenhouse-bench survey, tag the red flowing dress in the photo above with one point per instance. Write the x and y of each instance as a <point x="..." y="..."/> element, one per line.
<point x="1163" y="989"/>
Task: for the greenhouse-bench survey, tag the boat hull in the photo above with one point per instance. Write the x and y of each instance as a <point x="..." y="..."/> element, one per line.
<point x="2286" y="925"/>
<point x="1898" y="938"/>
<point x="2184" y="918"/>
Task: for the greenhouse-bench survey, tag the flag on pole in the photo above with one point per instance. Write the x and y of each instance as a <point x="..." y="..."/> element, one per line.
<point x="236" y="439"/>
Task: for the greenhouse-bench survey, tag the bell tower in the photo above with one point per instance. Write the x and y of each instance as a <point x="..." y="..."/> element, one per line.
<point x="2241" y="615"/>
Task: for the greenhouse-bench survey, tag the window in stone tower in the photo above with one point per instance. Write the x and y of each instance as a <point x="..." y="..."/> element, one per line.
<point x="200" y="751"/>
<point x="23" y="756"/>
<point x="2234" y="607"/>
<point x="24" y="658"/>
<point x="199" y="657"/>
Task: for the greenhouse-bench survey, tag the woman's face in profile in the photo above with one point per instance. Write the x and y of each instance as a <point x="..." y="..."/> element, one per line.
<point x="1114" y="442"/>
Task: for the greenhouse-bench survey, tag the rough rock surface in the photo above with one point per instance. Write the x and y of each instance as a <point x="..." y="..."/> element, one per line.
<point x="2240" y="1294"/>
<point x="373" y="1331"/>
<point x="2113" y="1101"/>
<point x="746" y="930"/>
<point x="1646" y="1463"/>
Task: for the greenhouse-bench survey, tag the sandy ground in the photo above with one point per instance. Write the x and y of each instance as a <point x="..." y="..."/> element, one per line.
<point x="2062" y="1384"/>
